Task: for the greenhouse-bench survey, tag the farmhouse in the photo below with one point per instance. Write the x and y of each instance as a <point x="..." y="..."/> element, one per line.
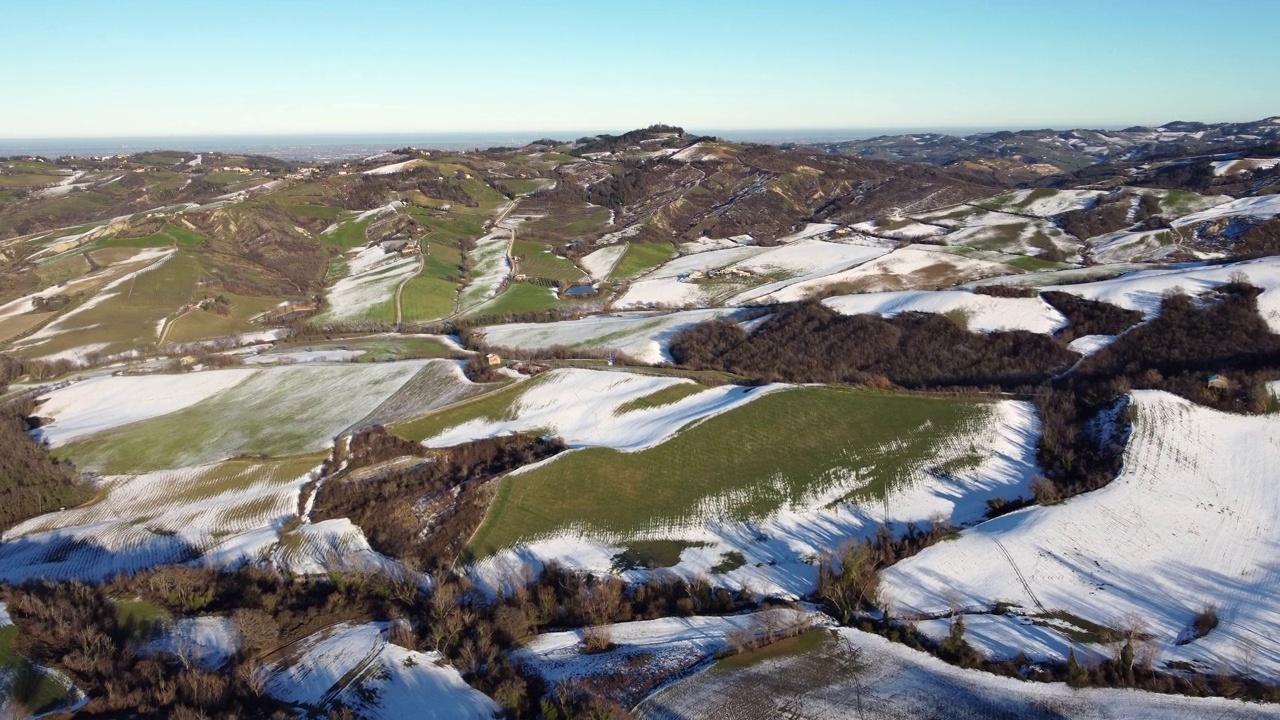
<point x="492" y="359"/>
<point x="1219" y="382"/>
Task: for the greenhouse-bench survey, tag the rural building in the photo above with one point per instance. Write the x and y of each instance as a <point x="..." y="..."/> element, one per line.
<point x="1219" y="382"/>
<point x="492" y="359"/>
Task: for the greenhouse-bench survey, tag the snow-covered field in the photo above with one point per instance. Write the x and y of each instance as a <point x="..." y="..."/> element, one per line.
<point x="358" y="666"/>
<point x="490" y="267"/>
<point x="851" y="674"/>
<point x="582" y="408"/>
<point x="778" y="551"/>
<point x="107" y="401"/>
<point x="641" y="335"/>
<point x="654" y="652"/>
<point x="1232" y="167"/>
<point x="1144" y="290"/>
<point x="207" y="641"/>
<point x="372" y="278"/>
<point x="915" y="267"/>
<point x="600" y="263"/>
<point x="982" y="313"/>
<point x="159" y="517"/>
<point x="1261" y="207"/>
<point x="1189" y="523"/>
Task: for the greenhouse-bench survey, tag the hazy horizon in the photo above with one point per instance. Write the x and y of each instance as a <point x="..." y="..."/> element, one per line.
<point x="132" y="68"/>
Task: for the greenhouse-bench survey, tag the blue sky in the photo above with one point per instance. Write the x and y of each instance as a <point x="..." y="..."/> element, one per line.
<point x="178" y="67"/>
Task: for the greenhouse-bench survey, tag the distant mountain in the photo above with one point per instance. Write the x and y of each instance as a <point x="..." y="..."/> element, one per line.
<point x="1027" y="154"/>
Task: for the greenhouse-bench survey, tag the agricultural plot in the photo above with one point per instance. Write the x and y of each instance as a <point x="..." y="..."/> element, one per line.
<point x="600" y="263"/>
<point x="278" y="411"/>
<point x="640" y="258"/>
<point x="519" y="297"/>
<point x="537" y="260"/>
<point x="230" y="509"/>
<point x="641" y="335"/>
<point x="1041" y="202"/>
<point x="124" y="314"/>
<point x="826" y="674"/>
<point x="1144" y="290"/>
<point x="914" y="267"/>
<point x="998" y="232"/>
<point x="368" y="290"/>
<point x="651" y="653"/>
<point x="980" y="313"/>
<point x="594" y="417"/>
<point x="440" y="383"/>
<point x="775" y="483"/>
<point x="1194" y="512"/>
<point x="490" y="268"/>
<point x="355" y="664"/>
<point x="1261" y="208"/>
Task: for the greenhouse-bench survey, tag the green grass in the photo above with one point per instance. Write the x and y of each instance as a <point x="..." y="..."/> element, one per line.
<point x="377" y="348"/>
<point x="520" y="297"/>
<point x="324" y="212"/>
<point x="168" y="236"/>
<point x="36" y="691"/>
<point x="1037" y="194"/>
<point x="802" y="644"/>
<point x="277" y="412"/>
<point x="203" y="324"/>
<point x="652" y="554"/>
<point x="539" y="262"/>
<point x="427" y="298"/>
<point x="128" y="317"/>
<point x="1032" y="264"/>
<point x="1180" y="202"/>
<point x="348" y="234"/>
<point x="666" y="396"/>
<point x="138" y="618"/>
<point x="493" y="406"/>
<point x="566" y="223"/>
<point x="526" y="186"/>
<point x="783" y="447"/>
<point x="641" y="258"/>
<point x="729" y="562"/>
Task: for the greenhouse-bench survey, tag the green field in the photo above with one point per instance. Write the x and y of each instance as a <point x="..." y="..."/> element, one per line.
<point x="519" y="297"/>
<point x="128" y="316"/>
<point x="276" y="412"/>
<point x="641" y="258"/>
<point x="566" y="223"/>
<point x="204" y="324"/>
<point x="781" y="448"/>
<point x="665" y="396"/>
<point x="495" y="405"/>
<point x="377" y="348"/>
<point x="540" y="262"/>
<point x="427" y="298"/>
<point x="169" y="236"/>
<point x="348" y="234"/>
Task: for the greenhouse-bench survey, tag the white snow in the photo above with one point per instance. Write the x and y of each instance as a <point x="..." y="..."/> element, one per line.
<point x="600" y="263"/>
<point x="668" y="646"/>
<point x="208" y="641"/>
<point x="856" y="674"/>
<point x="1090" y="344"/>
<point x="107" y="401"/>
<point x="643" y="336"/>
<point x="372" y="279"/>
<point x="357" y="665"/>
<point x="1261" y="207"/>
<point x="984" y="313"/>
<point x="581" y="407"/>
<point x="910" y="267"/>
<point x="1189" y="522"/>
<point x="304" y="356"/>
<point x="390" y="169"/>
<point x="1144" y="290"/>
<point x="1233" y="167"/>
<point x="779" y="549"/>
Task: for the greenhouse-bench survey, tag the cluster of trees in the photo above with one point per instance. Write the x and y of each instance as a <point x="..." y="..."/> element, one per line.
<point x="1109" y="214"/>
<point x="1084" y="420"/>
<point x="809" y="342"/>
<point x="31" y="481"/>
<point x="388" y="507"/>
<point x="77" y="627"/>
<point x="1089" y="317"/>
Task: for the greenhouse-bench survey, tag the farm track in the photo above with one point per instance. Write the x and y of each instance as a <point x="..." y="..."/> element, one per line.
<point x="1025" y="585"/>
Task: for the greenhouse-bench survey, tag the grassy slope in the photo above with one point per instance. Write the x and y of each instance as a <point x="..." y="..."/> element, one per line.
<point x="640" y="258"/>
<point x="799" y="436"/>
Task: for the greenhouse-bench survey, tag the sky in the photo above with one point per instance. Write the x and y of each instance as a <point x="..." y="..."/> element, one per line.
<point x="118" y="68"/>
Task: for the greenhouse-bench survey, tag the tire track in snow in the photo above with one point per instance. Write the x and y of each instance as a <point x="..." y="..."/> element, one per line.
<point x="1025" y="585"/>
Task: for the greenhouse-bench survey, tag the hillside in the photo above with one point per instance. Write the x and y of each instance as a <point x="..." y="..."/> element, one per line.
<point x="547" y="430"/>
